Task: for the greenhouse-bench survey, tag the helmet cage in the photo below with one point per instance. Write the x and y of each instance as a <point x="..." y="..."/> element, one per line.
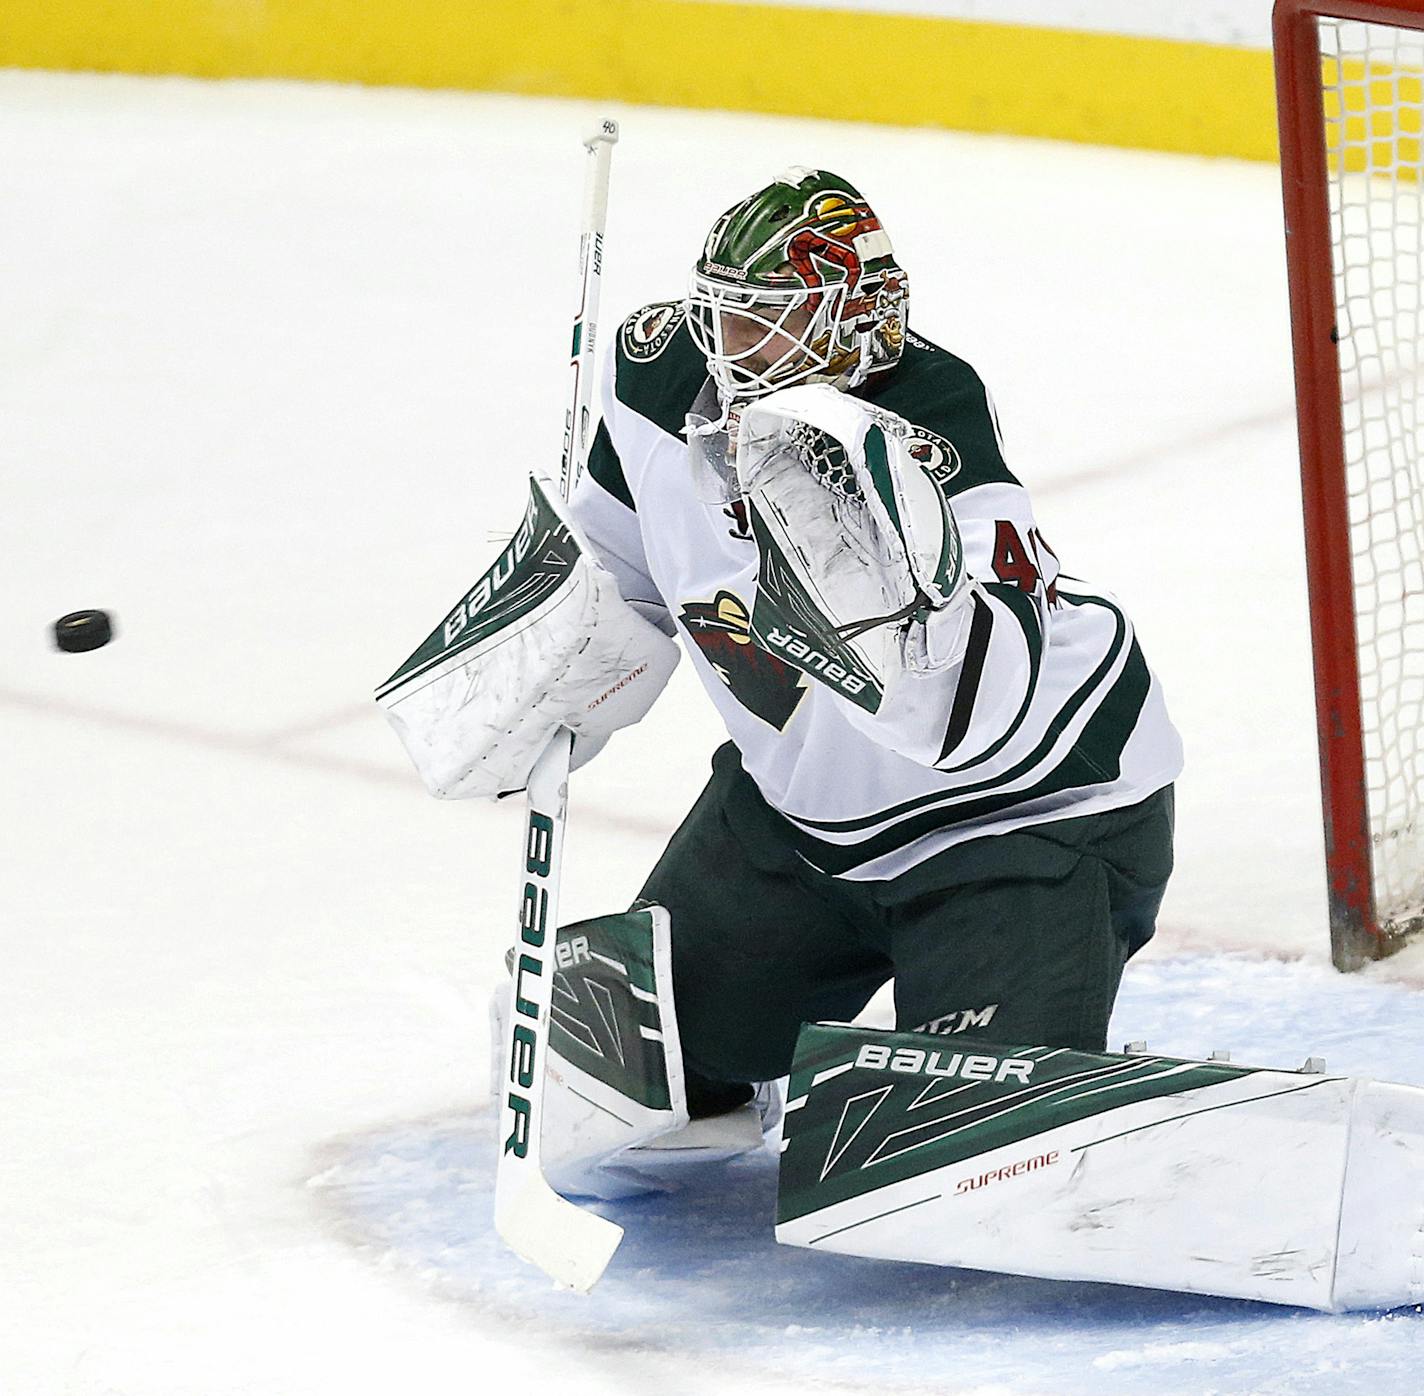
<point x="797" y="283"/>
<point x="771" y="347"/>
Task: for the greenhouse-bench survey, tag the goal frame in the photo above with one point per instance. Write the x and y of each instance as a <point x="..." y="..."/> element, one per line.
<point x="1356" y="933"/>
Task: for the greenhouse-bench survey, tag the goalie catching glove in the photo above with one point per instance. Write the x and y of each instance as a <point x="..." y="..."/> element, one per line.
<point x="543" y="640"/>
<point x="861" y="573"/>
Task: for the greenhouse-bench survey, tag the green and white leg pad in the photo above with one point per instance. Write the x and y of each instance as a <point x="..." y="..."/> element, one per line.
<point x="615" y="1105"/>
<point x="1293" y="1187"/>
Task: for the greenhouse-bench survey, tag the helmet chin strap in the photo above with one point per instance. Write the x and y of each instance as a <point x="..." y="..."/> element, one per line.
<point x="712" y="440"/>
<point x="711" y="432"/>
<point x="699" y="426"/>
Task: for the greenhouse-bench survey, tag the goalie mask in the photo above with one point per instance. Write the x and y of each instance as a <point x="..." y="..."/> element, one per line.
<point x="797" y="284"/>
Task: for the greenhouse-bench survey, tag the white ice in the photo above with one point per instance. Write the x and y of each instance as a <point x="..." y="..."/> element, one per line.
<point x="273" y="362"/>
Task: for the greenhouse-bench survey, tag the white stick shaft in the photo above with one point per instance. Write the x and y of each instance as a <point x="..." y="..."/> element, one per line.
<point x="570" y="1245"/>
<point x="578" y="420"/>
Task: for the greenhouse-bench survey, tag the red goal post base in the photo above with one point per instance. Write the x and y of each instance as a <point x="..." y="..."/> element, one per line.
<point x="1358" y="934"/>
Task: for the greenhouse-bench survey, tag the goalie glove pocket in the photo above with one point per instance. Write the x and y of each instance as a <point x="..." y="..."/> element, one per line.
<point x="858" y="548"/>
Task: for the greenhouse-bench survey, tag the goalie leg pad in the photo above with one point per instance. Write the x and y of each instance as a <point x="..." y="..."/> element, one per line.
<point x="614" y="1075"/>
<point x="1204" y="1177"/>
<point x="615" y="1105"/>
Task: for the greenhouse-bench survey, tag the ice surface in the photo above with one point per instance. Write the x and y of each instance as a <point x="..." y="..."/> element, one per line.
<point x="699" y="1274"/>
<point x="273" y="361"/>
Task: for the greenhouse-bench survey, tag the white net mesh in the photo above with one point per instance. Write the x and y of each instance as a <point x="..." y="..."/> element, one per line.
<point x="1374" y="96"/>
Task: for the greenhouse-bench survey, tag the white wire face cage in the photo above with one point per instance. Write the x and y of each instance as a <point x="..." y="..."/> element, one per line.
<point x="768" y="349"/>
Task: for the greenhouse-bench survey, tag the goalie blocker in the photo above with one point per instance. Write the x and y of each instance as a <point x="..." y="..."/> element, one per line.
<point x="543" y="640"/>
<point x="1207" y="1177"/>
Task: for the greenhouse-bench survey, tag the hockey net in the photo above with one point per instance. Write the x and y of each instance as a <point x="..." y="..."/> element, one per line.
<point x="1350" y="84"/>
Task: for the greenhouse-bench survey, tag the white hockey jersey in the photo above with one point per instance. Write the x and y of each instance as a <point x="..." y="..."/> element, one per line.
<point x="1052" y="713"/>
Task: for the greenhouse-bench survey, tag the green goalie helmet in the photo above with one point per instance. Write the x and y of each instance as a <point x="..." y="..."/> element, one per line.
<point x="797" y="284"/>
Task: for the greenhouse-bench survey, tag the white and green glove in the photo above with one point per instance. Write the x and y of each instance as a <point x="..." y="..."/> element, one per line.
<point x="861" y="575"/>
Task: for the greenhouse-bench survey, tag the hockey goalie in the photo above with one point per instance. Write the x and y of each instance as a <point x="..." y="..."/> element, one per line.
<point x="948" y="764"/>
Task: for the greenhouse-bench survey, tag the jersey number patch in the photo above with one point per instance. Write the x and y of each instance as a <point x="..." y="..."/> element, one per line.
<point x="1020" y="563"/>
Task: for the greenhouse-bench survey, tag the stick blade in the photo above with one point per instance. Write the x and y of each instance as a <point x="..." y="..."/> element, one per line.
<point x="571" y="1246"/>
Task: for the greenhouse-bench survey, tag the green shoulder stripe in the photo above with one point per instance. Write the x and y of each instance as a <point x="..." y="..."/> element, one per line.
<point x="942" y="395"/>
<point x="659" y="384"/>
<point x="607" y="469"/>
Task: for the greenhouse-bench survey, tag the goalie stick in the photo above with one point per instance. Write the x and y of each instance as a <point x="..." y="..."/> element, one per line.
<point x="570" y="1245"/>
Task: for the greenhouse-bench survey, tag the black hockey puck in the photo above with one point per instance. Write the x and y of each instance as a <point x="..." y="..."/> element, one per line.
<point x="83" y="630"/>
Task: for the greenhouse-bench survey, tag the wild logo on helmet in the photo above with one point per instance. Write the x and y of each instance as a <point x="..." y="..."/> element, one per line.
<point x="759" y="681"/>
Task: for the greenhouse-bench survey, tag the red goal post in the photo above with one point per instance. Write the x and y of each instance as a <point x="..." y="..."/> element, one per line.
<point x="1350" y="94"/>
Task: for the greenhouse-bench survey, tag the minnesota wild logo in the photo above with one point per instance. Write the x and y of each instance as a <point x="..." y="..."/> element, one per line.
<point x="647" y="332"/>
<point x="759" y="681"/>
<point x="937" y="455"/>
